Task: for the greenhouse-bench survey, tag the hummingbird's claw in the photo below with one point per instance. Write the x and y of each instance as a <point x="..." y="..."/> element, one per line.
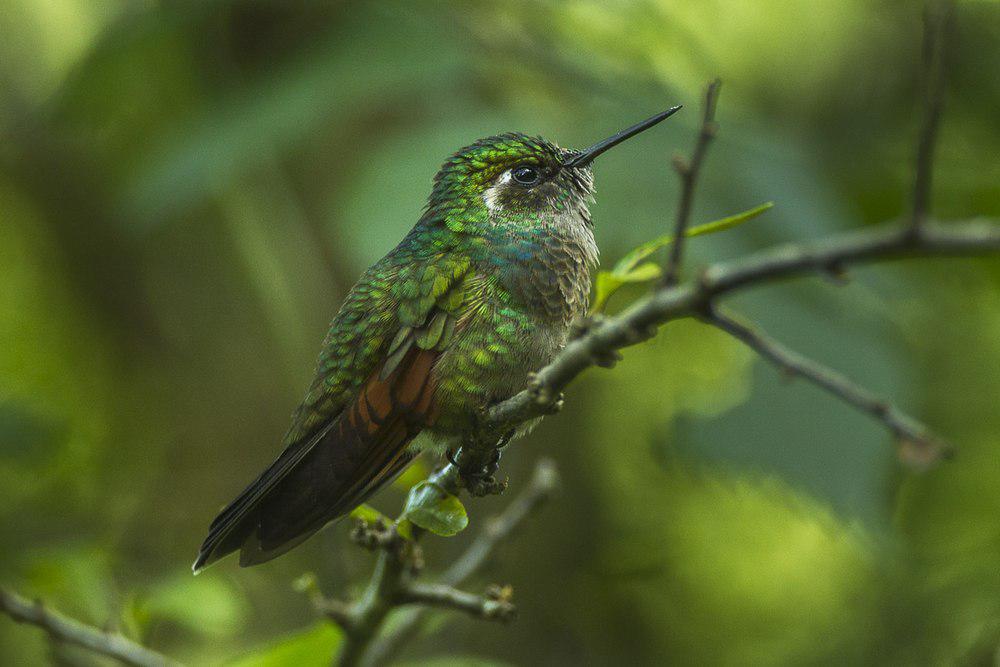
<point x="482" y="481"/>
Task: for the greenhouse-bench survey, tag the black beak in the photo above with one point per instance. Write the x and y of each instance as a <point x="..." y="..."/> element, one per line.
<point x="587" y="155"/>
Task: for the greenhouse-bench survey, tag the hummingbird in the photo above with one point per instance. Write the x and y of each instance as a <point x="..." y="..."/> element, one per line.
<point x="483" y="290"/>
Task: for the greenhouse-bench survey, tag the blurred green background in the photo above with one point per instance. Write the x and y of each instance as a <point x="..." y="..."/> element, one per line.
<point x="188" y="189"/>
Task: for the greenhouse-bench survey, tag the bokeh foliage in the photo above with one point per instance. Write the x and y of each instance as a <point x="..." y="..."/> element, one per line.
<point x="187" y="189"/>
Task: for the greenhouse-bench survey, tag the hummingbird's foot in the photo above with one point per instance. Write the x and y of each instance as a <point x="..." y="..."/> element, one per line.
<point x="485" y="486"/>
<point x="482" y="481"/>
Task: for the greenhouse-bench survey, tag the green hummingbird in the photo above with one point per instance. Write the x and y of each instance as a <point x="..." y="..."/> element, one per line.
<point x="479" y="293"/>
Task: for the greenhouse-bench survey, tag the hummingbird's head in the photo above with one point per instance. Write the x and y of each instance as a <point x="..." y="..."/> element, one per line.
<point x="510" y="176"/>
<point x="515" y="179"/>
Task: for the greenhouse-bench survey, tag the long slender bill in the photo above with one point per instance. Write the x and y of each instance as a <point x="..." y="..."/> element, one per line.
<point x="587" y="155"/>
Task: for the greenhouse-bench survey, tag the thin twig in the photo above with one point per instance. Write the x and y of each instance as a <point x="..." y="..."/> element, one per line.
<point x="937" y="24"/>
<point x="449" y="597"/>
<point x="407" y="622"/>
<point x="689" y="171"/>
<point x="905" y="428"/>
<point x="71" y="631"/>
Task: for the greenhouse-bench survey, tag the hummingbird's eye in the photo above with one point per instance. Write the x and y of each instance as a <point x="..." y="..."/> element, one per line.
<point x="526" y="174"/>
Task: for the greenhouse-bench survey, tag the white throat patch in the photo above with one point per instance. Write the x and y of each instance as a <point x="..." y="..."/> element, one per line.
<point x="491" y="197"/>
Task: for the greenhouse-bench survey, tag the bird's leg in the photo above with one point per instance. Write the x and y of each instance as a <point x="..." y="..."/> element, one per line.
<point x="479" y="478"/>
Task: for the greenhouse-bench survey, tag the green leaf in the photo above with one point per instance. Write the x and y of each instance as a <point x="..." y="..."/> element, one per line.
<point x="629" y="269"/>
<point x="628" y="262"/>
<point x="369" y="514"/>
<point x="607" y="283"/>
<point x="434" y="509"/>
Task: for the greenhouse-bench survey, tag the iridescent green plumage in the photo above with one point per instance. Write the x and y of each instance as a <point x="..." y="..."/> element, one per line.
<point x="480" y="292"/>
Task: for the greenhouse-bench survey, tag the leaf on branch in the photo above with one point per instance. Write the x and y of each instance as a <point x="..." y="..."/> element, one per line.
<point x="432" y="508"/>
<point x="633" y="269"/>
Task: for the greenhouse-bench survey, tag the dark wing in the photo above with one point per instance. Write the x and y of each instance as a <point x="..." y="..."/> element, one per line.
<point x="338" y="452"/>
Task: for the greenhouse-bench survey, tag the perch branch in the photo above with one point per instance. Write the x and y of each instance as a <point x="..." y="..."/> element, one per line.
<point x="905" y="428"/>
<point x="641" y="320"/>
<point x="71" y="631"/>
<point x="689" y="171"/>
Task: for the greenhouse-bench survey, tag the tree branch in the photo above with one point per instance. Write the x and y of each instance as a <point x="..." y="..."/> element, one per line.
<point x="689" y="171"/>
<point x="449" y="597"/>
<point x="70" y="631"/>
<point x="907" y="430"/>
<point x="937" y="24"/>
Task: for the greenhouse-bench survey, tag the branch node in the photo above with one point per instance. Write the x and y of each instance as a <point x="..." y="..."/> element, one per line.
<point x="922" y="452"/>
<point x="540" y="391"/>
<point x="584" y="325"/>
<point x="680" y="164"/>
<point x="375" y="535"/>
<point x="836" y="272"/>
<point x="556" y="405"/>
